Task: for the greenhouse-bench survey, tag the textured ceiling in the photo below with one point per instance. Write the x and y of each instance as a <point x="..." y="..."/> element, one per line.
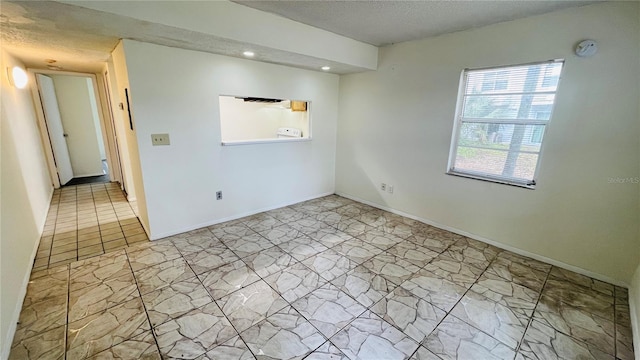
<point x="36" y="31"/>
<point x="81" y="39"/>
<point x="387" y="22"/>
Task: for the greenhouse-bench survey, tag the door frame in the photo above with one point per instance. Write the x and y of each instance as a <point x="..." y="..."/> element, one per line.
<point x="105" y="86"/>
<point x="106" y="124"/>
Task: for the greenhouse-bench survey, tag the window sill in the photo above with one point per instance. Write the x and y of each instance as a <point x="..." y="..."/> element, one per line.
<point x="263" y="141"/>
<point x="492" y="180"/>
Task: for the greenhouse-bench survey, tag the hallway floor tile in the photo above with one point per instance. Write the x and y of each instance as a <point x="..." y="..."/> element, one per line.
<point x="85" y="221"/>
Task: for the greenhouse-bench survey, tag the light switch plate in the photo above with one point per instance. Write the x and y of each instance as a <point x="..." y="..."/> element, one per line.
<point x="159" y="139"/>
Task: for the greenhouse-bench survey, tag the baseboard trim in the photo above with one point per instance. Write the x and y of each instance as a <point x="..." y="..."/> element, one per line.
<point x="233" y="217"/>
<point x="23" y="291"/>
<point x="493" y="242"/>
<point x="635" y="322"/>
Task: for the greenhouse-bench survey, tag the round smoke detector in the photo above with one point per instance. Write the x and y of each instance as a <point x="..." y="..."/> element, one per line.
<point x="586" y="48"/>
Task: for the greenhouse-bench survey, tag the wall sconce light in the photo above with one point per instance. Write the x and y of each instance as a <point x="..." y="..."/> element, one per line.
<point x="18" y="77"/>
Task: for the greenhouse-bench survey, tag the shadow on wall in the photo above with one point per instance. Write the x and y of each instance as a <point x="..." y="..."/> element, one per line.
<point x="376" y="193"/>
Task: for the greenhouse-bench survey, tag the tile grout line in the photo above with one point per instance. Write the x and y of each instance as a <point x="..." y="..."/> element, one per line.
<point x="615" y="322"/>
<point x="53" y="231"/>
<point x="75" y="205"/>
<point x="95" y="208"/>
<point x="77" y="228"/>
<point x="534" y="311"/>
<point x="447" y="313"/>
<point x="108" y="197"/>
<point x="66" y="324"/>
<point x="144" y="307"/>
<point x="562" y="301"/>
<point x="214" y="300"/>
<point x="118" y="218"/>
<point x="289" y="304"/>
<point x="367" y="308"/>
<point x="469" y="289"/>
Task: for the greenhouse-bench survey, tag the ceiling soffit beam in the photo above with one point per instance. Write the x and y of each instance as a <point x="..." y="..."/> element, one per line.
<point x="238" y="23"/>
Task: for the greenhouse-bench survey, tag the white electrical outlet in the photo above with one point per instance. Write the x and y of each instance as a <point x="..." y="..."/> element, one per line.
<point x="159" y="139"/>
<point x="383" y="186"/>
<point x="390" y="189"/>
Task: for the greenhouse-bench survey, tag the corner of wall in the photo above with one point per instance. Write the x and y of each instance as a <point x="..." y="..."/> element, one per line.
<point x="131" y="163"/>
<point x="634" y="307"/>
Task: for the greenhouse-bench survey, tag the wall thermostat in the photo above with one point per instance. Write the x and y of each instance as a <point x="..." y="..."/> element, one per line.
<point x="586" y="48"/>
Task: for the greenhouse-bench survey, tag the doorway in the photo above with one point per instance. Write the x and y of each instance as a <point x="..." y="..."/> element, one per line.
<point x="74" y="128"/>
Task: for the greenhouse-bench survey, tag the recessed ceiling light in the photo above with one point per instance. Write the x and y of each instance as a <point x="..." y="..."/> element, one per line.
<point x="248" y="53"/>
<point x="326" y="68"/>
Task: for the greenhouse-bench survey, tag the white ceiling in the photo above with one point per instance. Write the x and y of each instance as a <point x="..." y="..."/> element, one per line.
<point x="81" y="39"/>
<point x="35" y="31"/>
<point x="387" y="22"/>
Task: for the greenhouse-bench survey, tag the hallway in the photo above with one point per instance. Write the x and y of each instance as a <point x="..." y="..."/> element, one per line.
<point x="86" y="221"/>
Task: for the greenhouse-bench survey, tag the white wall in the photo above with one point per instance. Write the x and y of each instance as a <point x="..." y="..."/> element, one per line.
<point x="242" y="120"/>
<point x="120" y="127"/>
<point x="96" y="119"/>
<point x="24" y="199"/>
<point x="176" y="91"/>
<point x="395" y="127"/>
<point x="133" y="158"/>
<point x="78" y="120"/>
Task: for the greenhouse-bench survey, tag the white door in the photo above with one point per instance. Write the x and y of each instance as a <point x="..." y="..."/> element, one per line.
<point x="55" y="129"/>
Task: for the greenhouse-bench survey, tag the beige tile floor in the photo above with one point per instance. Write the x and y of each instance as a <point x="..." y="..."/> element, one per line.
<point x="86" y="221"/>
<point x="324" y="279"/>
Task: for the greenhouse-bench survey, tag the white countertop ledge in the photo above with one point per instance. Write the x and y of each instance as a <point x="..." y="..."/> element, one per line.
<point x="263" y="141"/>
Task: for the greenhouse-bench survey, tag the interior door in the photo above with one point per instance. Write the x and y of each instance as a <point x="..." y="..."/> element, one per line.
<point x="55" y="129"/>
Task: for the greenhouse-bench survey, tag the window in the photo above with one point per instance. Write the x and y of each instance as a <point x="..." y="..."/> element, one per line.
<point x="500" y="122"/>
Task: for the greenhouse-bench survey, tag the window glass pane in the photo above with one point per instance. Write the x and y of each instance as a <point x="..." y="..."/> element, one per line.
<point x="506" y="150"/>
<point x="492" y="162"/>
<point x="508" y="106"/>
<point x="501" y="136"/>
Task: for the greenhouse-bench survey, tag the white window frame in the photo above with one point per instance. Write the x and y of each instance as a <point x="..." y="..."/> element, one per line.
<point x="458" y="121"/>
